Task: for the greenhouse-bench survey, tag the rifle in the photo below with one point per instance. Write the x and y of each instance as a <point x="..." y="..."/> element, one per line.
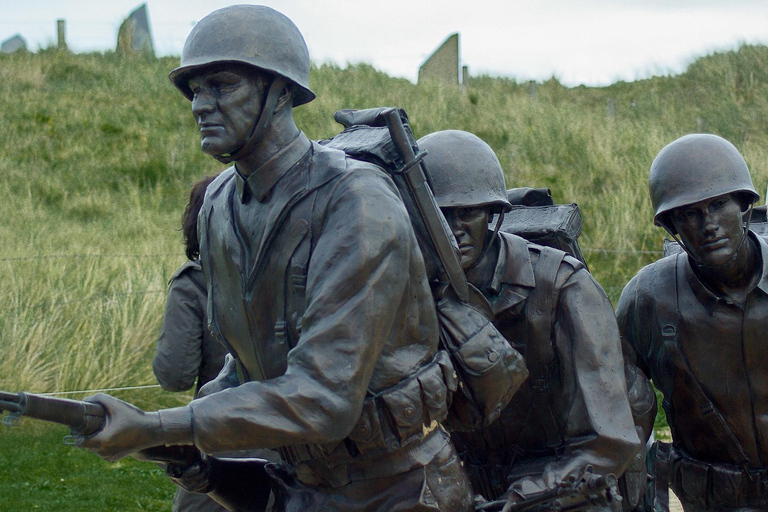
<point x="417" y="182"/>
<point x="570" y="495"/>
<point x="83" y="419"/>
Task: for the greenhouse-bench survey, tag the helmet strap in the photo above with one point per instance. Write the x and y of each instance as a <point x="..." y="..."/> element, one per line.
<point x="261" y="124"/>
<point x="490" y="241"/>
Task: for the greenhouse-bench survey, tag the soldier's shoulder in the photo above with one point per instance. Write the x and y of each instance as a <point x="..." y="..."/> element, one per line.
<point x="567" y="264"/>
<point x="189" y="274"/>
<point x="332" y="166"/>
<point x="218" y="184"/>
<point x="659" y="271"/>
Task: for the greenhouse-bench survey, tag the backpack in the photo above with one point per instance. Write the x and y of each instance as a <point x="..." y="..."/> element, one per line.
<point x="489" y="371"/>
<point x="535" y="217"/>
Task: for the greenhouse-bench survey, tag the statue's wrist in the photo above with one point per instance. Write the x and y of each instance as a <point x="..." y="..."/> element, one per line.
<point x="176" y="426"/>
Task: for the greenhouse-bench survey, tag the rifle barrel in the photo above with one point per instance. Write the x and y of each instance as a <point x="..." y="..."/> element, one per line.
<point x="438" y="230"/>
<point x="9" y="402"/>
<point x="85" y="418"/>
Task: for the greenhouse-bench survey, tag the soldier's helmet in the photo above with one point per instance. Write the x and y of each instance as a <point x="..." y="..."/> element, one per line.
<point x="464" y="171"/>
<point x="694" y="168"/>
<point x="254" y="35"/>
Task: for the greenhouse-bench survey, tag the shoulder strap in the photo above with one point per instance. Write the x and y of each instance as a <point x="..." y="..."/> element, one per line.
<point x="308" y="216"/>
<point x="670" y="320"/>
<point x="539" y="350"/>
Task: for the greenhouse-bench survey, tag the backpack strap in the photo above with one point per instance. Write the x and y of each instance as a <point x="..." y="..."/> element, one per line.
<point x="667" y="340"/>
<point x="539" y="350"/>
<point x="307" y="217"/>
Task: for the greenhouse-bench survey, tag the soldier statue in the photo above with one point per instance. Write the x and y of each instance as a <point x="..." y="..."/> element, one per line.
<point x="573" y="410"/>
<point x="697" y="321"/>
<point x="317" y="287"/>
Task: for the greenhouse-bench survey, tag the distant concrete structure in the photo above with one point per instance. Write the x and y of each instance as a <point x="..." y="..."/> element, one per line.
<point x="13" y="44"/>
<point x="134" y="35"/>
<point x="61" y="33"/>
<point x="443" y="65"/>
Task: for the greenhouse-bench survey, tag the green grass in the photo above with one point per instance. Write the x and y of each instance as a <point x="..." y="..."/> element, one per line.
<point x="98" y="152"/>
<point x="39" y="472"/>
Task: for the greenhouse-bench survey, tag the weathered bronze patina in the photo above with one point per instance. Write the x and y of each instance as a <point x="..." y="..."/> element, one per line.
<point x="573" y="411"/>
<point x="697" y="321"/>
<point x="318" y="288"/>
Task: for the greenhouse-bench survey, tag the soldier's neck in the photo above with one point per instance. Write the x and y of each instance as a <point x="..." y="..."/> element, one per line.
<point x="278" y="135"/>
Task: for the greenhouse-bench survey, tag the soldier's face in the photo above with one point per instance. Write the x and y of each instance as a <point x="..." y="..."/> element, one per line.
<point x="226" y="103"/>
<point x="470" y="227"/>
<point x="711" y="229"/>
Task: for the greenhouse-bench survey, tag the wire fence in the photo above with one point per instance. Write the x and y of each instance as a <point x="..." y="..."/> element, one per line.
<point x="112" y="296"/>
<point x="83" y="256"/>
<point x="165" y="255"/>
<point x="102" y="390"/>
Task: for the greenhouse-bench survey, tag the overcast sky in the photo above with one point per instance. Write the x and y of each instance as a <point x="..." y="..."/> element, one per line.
<point x="592" y="42"/>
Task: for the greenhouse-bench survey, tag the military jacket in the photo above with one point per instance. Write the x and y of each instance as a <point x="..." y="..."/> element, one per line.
<point x="318" y="288"/>
<point x="720" y="366"/>
<point x="581" y="414"/>
<point x="187" y="354"/>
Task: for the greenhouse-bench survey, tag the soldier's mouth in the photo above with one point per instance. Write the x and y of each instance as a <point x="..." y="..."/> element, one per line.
<point x="718" y="243"/>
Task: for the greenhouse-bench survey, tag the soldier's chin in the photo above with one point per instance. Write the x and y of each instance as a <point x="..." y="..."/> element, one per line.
<point x="715" y="258"/>
<point x="210" y="147"/>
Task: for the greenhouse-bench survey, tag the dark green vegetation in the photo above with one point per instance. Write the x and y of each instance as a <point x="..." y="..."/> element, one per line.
<point x="98" y="152"/>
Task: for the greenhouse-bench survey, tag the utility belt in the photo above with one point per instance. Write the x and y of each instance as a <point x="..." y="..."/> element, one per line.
<point x="395" y="424"/>
<point x="717" y="485"/>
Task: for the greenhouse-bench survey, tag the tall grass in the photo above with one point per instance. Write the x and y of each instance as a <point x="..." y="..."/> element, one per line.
<point x="97" y="153"/>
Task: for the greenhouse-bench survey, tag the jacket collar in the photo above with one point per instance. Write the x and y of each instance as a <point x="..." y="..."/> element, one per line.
<point x="260" y="183"/>
<point x="513" y="276"/>
<point x="514" y="266"/>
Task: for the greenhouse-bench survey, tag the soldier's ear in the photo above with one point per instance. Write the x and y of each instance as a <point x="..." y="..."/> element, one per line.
<point x="286" y="98"/>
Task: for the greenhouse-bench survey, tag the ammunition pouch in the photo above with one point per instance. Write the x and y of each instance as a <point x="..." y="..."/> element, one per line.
<point x="716" y="486"/>
<point x="489" y="370"/>
<point x="393" y="425"/>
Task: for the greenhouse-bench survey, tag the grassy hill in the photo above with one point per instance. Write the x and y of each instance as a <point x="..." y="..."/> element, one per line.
<point x="97" y="153"/>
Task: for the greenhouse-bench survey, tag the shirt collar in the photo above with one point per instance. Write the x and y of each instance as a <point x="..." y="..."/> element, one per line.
<point x="261" y="181"/>
<point x="514" y="265"/>
<point x="708" y="298"/>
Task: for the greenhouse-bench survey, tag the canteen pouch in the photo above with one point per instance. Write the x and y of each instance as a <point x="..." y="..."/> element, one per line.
<point x="489" y="370"/>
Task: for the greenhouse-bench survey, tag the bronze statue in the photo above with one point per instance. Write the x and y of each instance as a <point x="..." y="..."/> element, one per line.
<point x="187" y="353"/>
<point x="318" y="289"/>
<point x="697" y="320"/>
<point x="573" y="411"/>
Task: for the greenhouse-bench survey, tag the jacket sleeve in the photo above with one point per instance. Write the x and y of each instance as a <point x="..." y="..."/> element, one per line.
<point x="633" y="321"/>
<point x="599" y="430"/>
<point x="634" y="335"/>
<point x="357" y="291"/>
<point x="179" y="348"/>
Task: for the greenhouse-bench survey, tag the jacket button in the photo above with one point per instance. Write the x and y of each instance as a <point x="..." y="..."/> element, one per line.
<point x="439" y="395"/>
<point x="408" y="412"/>
<point x="362" y="429"/>
<point x="493" y="356"/>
